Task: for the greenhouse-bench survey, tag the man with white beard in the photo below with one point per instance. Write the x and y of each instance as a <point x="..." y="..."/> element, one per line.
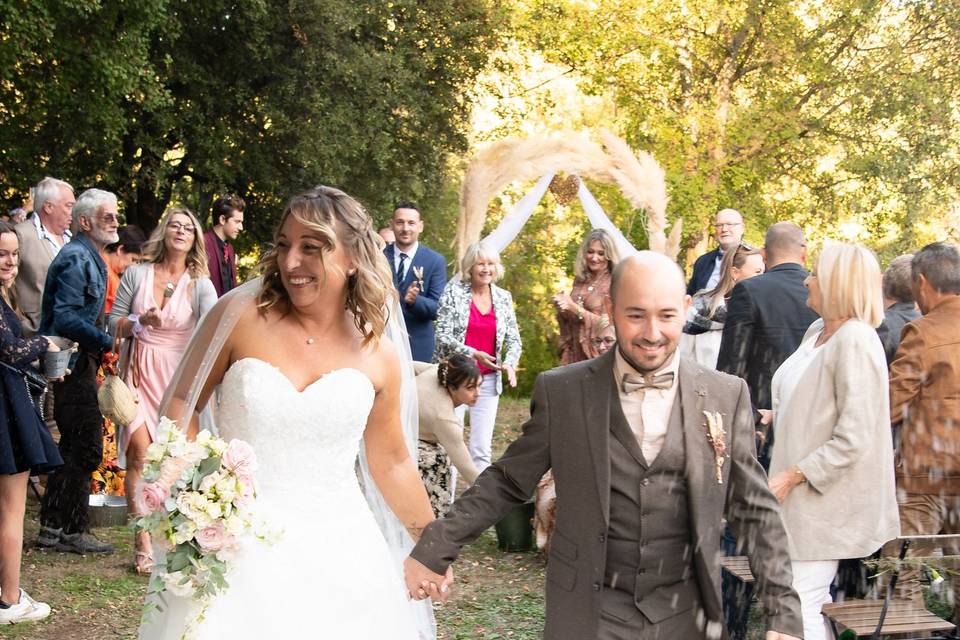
<point x="72" y="307"/>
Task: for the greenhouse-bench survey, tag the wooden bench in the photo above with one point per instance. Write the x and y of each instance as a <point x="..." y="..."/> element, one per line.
<point x="738" y="567"/>
<point x="903" y="618"/>
<point x="890" y="617"/>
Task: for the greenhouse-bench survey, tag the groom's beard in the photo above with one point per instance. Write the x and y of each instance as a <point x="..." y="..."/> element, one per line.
<point x="646" y="370"/>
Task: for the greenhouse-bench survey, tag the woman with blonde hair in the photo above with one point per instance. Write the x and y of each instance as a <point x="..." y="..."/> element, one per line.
<point x="707" y="313"/>
<point x="309" y="379"/>
<point x="579" y="312"/>
<point x="158" y="305"/>
<point x="832" y="462"/>
<point x="475" y="318"/>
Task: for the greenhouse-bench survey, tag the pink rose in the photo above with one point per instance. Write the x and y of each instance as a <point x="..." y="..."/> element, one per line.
<point x="171" y="470"/>
<point x="211" y="539"/>
<point x="151" y="496"/>
<point x="240" y="458"/>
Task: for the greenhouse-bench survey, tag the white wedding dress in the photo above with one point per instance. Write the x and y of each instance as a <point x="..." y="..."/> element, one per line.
<point x="331" y="574"/>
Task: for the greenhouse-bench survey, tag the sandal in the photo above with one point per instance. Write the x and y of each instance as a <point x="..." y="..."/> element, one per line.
<point x="143" y="562"/>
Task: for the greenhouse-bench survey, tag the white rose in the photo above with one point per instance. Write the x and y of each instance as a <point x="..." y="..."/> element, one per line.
<point x="184" y="532"/>
<point x="172" y="582"/>
<point x="209" y="482"/>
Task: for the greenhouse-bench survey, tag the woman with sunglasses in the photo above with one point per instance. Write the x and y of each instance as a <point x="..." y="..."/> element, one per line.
<point x="708" y="312"/>
<point x="158" y="305"/>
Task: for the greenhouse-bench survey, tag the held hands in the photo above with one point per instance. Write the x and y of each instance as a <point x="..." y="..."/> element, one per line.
<point x="423" y="583"/>
<point x="412" y="292"/>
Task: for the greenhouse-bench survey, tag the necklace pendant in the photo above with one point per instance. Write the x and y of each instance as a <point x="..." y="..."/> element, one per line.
<point x="310" y="340"/>
<point x="168" y="290"/>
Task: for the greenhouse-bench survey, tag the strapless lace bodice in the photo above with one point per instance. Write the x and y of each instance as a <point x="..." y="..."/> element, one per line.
<point x="306" y="438"/>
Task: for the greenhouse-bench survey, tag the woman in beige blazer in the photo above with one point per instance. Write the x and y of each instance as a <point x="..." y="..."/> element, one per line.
<point x="832" y="464"/>
<point x="441" y="388"/>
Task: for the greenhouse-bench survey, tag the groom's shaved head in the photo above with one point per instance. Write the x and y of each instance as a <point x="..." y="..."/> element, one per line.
<point x="649" y="305"/>
<point x="650" y="264"/>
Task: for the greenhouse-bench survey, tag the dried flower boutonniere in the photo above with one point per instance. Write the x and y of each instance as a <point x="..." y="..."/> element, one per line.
<point x="716" y="436"/>
<point x="418" y="274"/>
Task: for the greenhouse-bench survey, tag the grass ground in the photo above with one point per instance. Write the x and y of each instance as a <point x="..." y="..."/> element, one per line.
<point x="497" y="595"/>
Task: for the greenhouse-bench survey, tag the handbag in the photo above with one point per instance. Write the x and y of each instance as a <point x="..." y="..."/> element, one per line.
<point x="34" y="381"/>
<point x="116" y="401"/>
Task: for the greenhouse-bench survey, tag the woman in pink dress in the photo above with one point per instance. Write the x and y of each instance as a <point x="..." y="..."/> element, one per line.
<point x="157" y="307"/>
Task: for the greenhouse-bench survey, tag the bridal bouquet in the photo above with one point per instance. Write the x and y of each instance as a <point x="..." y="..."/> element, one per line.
<point x="198" y="497"/>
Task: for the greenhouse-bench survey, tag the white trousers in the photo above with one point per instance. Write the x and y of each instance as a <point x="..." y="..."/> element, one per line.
<point x="483" y="418"/>
<point x="811" y="581"/>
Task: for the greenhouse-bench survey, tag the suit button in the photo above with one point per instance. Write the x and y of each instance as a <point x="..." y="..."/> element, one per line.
<point x="602" y="537"/>
<point x="645" y="482"/>
<point x="596" y="586"/>
<point x="641" y="571"/>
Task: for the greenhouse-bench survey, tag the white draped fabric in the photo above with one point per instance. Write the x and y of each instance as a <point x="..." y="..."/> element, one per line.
<point x="509" y="228"/>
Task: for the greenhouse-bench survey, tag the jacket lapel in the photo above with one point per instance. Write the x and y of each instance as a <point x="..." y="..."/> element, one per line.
<point x="707" y="497"/>
<point x="596" y="420"/>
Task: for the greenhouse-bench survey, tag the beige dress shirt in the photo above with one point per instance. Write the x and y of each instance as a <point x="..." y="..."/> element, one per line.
<point x="648" y="411"/>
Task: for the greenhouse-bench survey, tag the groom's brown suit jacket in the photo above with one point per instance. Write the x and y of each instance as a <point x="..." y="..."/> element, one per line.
<point x="569" y="431"/>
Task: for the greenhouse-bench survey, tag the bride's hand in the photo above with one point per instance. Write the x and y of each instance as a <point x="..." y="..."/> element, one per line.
<point x="422" y="583"/>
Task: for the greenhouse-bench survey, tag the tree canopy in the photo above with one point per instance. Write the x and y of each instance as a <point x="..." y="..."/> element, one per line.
<point x="163" y="99"/>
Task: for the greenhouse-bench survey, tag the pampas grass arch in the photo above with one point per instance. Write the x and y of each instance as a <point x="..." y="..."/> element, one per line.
<point x="639" y="177"/>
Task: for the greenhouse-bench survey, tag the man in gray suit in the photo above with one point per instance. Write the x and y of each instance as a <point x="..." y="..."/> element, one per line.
<point x="643" y="484"/>
<point x="41" y="238"/>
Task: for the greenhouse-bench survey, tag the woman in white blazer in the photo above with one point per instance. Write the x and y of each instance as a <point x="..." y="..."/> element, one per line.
<point x="832" y="462"/>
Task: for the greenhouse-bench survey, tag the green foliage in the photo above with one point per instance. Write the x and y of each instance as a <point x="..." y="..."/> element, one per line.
<point x="169" y="99"/>
<point x="838" y="115"/>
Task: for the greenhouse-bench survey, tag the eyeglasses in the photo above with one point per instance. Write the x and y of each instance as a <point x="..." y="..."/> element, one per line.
<point x="177" y="227"/>
<point x="608" y="341"/>
<point x="727" y="225"/>
<point x="112" y="217"/>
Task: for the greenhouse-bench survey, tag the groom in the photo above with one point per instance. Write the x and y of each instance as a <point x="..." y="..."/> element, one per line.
<point x="635" y="553"/>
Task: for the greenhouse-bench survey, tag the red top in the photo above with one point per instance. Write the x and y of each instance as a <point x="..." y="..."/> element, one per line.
<point x="482" y="333"/>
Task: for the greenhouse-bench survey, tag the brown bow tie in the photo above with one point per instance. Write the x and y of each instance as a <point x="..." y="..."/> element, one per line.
<point x="631" y="382"/>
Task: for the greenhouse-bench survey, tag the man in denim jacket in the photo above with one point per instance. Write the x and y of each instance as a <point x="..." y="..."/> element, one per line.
<point x="72" y="307"/>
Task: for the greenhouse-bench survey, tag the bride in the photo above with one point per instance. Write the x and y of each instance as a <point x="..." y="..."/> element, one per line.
<point x="300" y="368"/>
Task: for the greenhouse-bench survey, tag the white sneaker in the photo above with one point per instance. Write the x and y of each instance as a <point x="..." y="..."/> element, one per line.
<point x="27" y="610"/>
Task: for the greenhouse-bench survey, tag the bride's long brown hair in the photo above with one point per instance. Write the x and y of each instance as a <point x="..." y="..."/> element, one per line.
<point x="337" y="218"/>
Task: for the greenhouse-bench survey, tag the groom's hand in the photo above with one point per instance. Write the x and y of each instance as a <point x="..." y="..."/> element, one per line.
<point x="423" y="583"/>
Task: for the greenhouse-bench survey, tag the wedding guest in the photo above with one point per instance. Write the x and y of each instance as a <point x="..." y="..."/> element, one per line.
<point x="707" y="313"/>
<point x="41" y="238"/>
<point x="924" y="410"/>
<point x="221" y="258"/>
<point x="898" y="303"/>
<point x="832" y="463"/>
<point x="728" y="230"/>
<point x="25" y="442"/>
<point x="158" y="305"/>
<point x="606" y="337"/>
<point x="118" y="257"/>
<point x="419" y="275"/>
<point x="579" y="311"/>
<point x="767" y="317"/>
<point x="441" y="388"/>
<point x="72" y="307"/>
<point x="387" y="234"/>
<point x="476" y="319"/>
